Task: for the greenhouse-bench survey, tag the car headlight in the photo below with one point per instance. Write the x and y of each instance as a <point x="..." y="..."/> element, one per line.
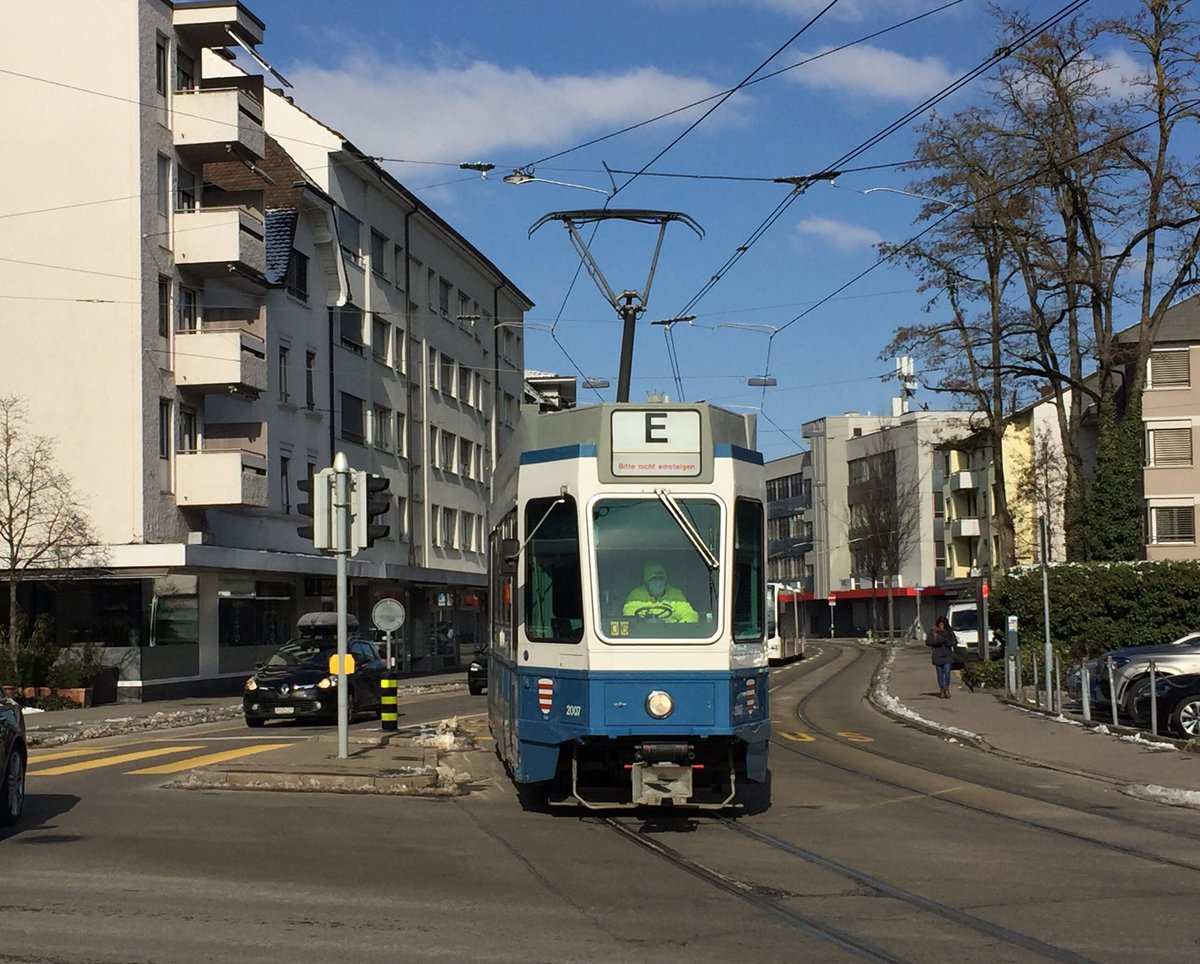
<point x="475" y="668"/>
<point x="659" y="704"/>
<point x="251" y="684"/>
<point x="327" y="682"/>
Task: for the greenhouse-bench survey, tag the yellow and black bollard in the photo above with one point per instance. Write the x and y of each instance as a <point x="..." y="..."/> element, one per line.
<point x="387" y="701"/>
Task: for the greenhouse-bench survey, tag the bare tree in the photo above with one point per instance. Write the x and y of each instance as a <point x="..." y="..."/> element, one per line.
<point x="885" y="522"/>
<point x="43" y="527"/>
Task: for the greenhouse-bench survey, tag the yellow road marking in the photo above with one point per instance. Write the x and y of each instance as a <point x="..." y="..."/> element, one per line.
<point x="798" y="737"/>
<point x="855" y="737"/>
<point x="203" y="761"/>
<point x="66" y="754"/>
<point x="111" y="761"/>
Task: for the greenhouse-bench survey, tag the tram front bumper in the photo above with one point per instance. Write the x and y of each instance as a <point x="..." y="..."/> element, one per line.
<point x="655" y="782"/>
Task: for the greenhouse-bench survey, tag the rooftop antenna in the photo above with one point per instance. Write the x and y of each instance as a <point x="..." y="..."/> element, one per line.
<point x="629" y="304"/>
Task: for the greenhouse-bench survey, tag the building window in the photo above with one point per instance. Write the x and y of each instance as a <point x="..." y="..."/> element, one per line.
<point x="400" y="351"/>
<point x="283" y="373"/>
<point x="434" y="460"/>
<point x="464" y="384"/>
<point x="435" y="513"/>
<point x="185" y="190"/>
<point x="185" y="71"/>
<point x="163" y="187"/>
<point x="466" y="451"/>
<point x="188" y="429"/>
<point x="1170" y="368"/>
<point x="446" y="453"/>
<point x="448" y="533"/>
<point x="164" y="428"/>
<point x="381" y="427"/>
<point x="464" y="308"/>
<point x="164" y="305"/>
<point x="296" y="279"/>
<point x="285" y="484"/>
<point x="378" y="252"/>
<point x="188" y="313"/>
<point x="350" y="328"/>
<point x="401" y="518"/>
<point x="401" y="434"/>
<point x="398" y="276"/>
<point x="1172" y="524"/>
<point x="381" y="335"/>
<point x="310" y="386"/>
<point x="433" y="369"/>
<point x="510" y="404"/>
<point x="1169" y="446"/>
<point x="444" y="289"/>
<point x="349" y="233"/>
<point x="446" y="376"/>
<point x="353" y="429"/>
<point x="160" y="65"/>
<point x="477" y="390"/>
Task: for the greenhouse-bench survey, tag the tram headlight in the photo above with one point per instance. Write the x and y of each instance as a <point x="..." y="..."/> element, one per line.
<point x="659" y="704"/>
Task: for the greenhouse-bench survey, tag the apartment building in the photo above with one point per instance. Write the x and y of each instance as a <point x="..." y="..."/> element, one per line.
<point x="225" y="292"/>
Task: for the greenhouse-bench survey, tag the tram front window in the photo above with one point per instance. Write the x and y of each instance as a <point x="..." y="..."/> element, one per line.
<point x="653" y="582"/>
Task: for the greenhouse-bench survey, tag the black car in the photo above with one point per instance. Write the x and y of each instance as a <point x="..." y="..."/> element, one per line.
<point x="1178" y="705"/>
<point x="295" y="683"/>
<point x="477" y="673"/>
<point x="13" y="757"/>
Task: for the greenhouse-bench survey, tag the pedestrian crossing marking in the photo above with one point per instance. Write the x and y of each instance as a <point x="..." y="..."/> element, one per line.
<point x="210" y="758"/>
<point x="35" y="758"/>
<point x="111" y="761"/>
<point x="798" y="737"/>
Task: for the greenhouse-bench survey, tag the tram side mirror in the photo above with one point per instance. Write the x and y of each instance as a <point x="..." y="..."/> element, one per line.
<point x="510" y="551"/>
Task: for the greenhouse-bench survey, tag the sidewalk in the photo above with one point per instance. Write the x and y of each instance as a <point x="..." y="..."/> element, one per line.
<point x="905" y="688"/>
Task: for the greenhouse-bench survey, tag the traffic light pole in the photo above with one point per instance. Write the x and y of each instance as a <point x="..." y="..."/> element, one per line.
<point x="341" y="548"/>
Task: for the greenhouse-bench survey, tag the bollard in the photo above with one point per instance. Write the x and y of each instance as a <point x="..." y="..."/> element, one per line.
<point x="387" y="701"/>
<point x="1153" y="698"/>
<point x="1085" y="689"/>
<point x="1057" y="708"/>
<point x="1112" y="689"/>
<point x="1037" y="691"/>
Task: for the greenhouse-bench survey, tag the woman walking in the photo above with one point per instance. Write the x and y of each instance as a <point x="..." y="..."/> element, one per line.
<point x="941" y="640"/>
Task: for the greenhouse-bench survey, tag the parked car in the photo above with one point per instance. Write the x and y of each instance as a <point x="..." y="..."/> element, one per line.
<point x="1131" y="672"/>
<point x="477" y="673"/>
<point x="1177" y="701"/>
<point x="295" y="682"/>
<point x="963" y="618"/>
<point x="13" y="758"/>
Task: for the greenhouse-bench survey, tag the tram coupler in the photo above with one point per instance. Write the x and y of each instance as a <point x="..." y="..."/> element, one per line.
<point x="654" y="754"/>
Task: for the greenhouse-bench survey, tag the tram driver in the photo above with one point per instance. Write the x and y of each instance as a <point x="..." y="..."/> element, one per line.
<point x="656" y="599"/>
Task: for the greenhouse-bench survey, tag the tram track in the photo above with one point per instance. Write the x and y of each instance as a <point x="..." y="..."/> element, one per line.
<point x="1027" y="823"/>
<point x="773" y="901"/>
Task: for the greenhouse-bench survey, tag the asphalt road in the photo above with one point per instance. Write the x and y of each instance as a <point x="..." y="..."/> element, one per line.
<point x="881" y="843"/>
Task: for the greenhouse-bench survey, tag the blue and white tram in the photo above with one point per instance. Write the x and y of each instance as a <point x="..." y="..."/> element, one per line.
<point x="784" y="641"/>
<point x="605" y="699"/>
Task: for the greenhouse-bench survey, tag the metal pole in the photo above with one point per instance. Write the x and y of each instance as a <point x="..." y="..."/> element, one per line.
<point x="1153" y="698"/>
<point x="629" y="312"/>
<point x="1042" y="529"/>
<point x="1037" y="687"/>
<point x="387" y="636"/>
<point x="1085" y="689"/>
<point x="1112" y="689"/>
<point x="831" y="620"/>
<point x="1057" y="683"/>
<point x="341" y="516"/>
<point x="796" y="616"/>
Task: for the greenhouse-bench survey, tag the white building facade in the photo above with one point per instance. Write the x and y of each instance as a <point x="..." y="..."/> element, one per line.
<point x="207" y="293"/>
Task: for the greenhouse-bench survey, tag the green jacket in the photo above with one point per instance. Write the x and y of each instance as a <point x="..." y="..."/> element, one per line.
<point x="681" y="610"/>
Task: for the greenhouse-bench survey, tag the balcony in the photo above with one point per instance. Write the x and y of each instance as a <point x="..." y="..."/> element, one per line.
<point x="213" y="241"/>
<point x="964" y="481"/>
<point x="211" y="24"/>
<point x="229" y="469"/>
<point x="964" y="528"/>
<point x="210" y="122"/>
<point x="220" y="358"/>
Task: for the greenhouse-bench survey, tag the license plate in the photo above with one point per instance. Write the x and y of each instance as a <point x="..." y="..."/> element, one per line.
<point x="284" y="710"/>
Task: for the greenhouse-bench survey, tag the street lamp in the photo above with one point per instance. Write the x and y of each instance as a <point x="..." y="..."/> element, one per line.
<point x="761" y="381"/>
<point x="524" y="175"/>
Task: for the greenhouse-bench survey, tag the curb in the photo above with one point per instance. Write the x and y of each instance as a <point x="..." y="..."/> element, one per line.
<point x="417" y="783"/>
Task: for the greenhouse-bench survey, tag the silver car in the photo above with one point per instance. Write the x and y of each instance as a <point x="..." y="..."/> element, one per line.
<point x="1131" y="671"/>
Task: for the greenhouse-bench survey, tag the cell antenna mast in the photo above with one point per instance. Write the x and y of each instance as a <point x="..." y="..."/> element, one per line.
<point x="629" y="304"/>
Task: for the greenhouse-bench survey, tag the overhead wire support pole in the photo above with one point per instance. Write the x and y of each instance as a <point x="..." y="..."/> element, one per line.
<point x="629" y="304"/>
<point x="341" y="548"/>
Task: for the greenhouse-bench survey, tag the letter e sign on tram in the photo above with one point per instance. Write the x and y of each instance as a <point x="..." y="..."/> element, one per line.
<point x="656" y="442"/>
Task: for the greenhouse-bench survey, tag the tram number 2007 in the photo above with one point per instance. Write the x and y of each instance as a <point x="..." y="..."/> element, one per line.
<point x="574" y="710"/>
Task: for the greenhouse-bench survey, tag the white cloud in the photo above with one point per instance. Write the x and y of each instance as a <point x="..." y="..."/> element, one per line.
<point x="464" y="112"/>
<point x="876" y="72"/>
<point x="837" y="234"/>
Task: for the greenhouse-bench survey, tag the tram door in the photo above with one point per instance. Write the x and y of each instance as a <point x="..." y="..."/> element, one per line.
<point x="502" y="678"/>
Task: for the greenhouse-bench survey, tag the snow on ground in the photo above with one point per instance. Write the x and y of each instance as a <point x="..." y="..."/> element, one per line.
<point x="1168" y="795"/>
<point x="881" y="697"/>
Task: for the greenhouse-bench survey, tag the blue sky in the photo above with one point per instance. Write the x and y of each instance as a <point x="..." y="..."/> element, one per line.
<point x="435" y="84"/>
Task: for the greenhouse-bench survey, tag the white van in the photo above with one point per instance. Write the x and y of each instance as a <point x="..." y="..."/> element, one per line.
<point x="964" y="620"/>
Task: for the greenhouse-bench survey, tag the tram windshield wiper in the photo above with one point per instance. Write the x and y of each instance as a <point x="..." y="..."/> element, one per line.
<point x="689" y="530"/>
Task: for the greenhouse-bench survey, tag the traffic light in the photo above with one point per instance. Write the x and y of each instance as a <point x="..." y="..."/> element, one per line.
<point x="368" y="499"/>
<point x="319" y="508"/>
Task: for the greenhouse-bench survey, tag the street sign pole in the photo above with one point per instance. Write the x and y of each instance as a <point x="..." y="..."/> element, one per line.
<point x="341" y="546"/>
<point x="388" y="616"/>
<point x="832" y="602"/>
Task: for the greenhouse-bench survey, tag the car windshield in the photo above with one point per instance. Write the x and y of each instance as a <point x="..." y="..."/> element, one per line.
<point x="306" y="653"/>
<point x="964" y="619"/>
